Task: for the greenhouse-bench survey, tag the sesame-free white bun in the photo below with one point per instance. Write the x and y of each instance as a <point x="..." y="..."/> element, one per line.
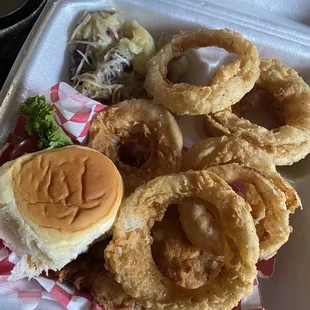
<point x="54" y="204"/>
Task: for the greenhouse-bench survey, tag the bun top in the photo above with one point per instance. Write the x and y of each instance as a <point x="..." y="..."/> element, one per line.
<point x="67" y="189"/>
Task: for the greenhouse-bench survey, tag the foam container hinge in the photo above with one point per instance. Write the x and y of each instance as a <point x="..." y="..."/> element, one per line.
<point x="42" y="63"/>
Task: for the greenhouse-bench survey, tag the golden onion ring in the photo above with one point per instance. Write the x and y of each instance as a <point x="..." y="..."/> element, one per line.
<point x="117" y="123"/>
<point x="230" y="83"/>
<point x="288" y="143"/>
<point x="268" y="210"/>
<point x="225" y="150"/>
<point x="131" y="244"/>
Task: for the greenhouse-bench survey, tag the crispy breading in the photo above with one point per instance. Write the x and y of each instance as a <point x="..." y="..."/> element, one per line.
<point x="88" y="274"/>
<point x="176" y="257"/>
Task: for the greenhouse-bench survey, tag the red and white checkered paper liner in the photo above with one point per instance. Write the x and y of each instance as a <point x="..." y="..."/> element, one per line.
<point x="74" y="114"/>
<point x="74" y="111"/>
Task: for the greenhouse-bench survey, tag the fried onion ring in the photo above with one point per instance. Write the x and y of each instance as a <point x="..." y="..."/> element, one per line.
<point x="131" y="244"/>
<point x="268" y="210"/>
<point x="225" y="150"/>
<point x="115" y="125"/>
<point x="230" y="83"/>
<point x="288" y="143"/>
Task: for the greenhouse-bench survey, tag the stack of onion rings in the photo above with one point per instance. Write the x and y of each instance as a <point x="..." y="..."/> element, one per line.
<point x="229" y="85"/>
<point x="268" y="210"/>
<point x="116" y="124"/>
<point x="271" y="197"/>
<point x="233" y="205"/>
<point x="131" y="244"/>
<point x="286" y="144"/>
<point x="224" y="150"/>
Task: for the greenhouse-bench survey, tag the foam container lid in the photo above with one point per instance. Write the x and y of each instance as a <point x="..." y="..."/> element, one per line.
<point x="43" y="62"/>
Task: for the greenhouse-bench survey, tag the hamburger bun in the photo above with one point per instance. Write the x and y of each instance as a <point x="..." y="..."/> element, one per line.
<point x="54" y="204"/>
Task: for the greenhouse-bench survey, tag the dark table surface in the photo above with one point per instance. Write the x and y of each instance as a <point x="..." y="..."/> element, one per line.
<point x="14" y="30"/>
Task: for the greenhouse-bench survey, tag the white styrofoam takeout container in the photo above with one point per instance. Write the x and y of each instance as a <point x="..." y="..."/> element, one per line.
<point x="43" y="62"/>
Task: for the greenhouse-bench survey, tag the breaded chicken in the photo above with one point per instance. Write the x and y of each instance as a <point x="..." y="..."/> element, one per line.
<point x="88" y="274"/>
<point x="176" y="257"/>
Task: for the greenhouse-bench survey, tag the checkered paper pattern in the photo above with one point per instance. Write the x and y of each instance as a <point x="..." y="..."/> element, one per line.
<point x="28" y="292"/>
<point x="74" y="114"/>
<point x="73" y="111"/>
